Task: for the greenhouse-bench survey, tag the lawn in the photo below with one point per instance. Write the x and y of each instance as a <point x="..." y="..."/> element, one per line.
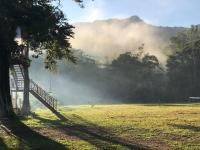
<point x="112" y="127"/>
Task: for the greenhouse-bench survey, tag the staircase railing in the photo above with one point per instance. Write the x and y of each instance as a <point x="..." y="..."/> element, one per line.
<point x="43" y="94"/>
<point x="18" y="76"/>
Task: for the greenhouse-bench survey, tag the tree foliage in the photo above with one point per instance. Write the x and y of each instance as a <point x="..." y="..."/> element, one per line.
<point x="44" y="29"/>
<point x="136" y="76"/>
<point x="132" y="77"/>
<point x="184" y="65"/>
<point x="43" y="25"/>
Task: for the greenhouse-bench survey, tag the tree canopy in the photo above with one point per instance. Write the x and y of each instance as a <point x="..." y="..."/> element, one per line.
<point x="184" y="65"/>
<point x="44" y="29"/>
<point x="43" y="25"/>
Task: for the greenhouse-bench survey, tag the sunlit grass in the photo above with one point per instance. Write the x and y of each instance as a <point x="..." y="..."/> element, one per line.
<point x="172" y="126"/>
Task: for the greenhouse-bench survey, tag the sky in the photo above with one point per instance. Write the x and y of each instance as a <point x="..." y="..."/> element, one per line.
<point x="156" y="12"/>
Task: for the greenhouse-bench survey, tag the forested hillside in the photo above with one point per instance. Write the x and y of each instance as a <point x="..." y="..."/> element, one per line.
<point x="134" y="75"/>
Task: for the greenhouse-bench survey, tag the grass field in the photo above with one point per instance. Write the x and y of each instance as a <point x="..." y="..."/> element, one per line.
<point x="112" y="127"/>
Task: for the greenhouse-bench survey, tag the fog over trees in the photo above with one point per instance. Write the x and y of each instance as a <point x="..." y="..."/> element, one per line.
<point x="134" y="76"/>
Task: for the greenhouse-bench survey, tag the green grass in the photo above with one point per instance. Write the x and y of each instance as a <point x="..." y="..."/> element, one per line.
<point x="166" y="126"/>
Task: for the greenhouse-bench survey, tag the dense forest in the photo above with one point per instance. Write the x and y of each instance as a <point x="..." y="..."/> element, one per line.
<point x="134" y="76"/>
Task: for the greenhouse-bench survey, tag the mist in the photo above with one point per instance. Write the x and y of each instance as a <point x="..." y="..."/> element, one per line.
<point x="86" y="82"/>
<point x="105" y="40"/>
<point x="61" y="85"/>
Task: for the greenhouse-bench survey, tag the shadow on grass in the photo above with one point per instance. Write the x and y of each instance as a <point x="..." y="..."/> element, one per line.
<point x="91" y="133"/>
<point x="3" y="146"/>
<point x="27" y="138"/>
<point x="167" y="105"/>
<point x="188" y="127"/>
<point x="173" y="105"/>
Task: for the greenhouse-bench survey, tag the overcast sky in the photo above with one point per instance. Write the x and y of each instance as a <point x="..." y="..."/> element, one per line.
<point x="157" y="12"/>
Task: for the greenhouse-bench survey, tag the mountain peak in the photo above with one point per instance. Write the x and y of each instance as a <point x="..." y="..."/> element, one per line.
<point x="132" y="19"/>
<point x="135" y="19"/>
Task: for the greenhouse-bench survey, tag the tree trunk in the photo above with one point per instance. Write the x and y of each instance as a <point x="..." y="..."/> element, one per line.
<point x="26" y="109"/>
<point x="6" y="109"/>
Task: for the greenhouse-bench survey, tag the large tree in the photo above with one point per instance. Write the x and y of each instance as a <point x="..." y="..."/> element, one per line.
<point x="184" y="65"/>
<point x="136" y="76"/>
<point x="44" y="29"/>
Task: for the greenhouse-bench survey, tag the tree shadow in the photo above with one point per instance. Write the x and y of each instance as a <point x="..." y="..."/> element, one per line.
<point x="91" y="133"/>
<point x="27" y="137"/>
<point x="173" y="105"/>
<point x="188" y="127"/>
<point x="3" y="146"/>
<point x="164" y="105"/>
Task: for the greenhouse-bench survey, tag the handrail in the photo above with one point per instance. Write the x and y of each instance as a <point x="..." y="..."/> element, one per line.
<point x="19" y="82"/>
<point x="43" y="94"/>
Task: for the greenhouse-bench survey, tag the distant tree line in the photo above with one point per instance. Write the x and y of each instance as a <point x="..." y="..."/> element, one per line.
<point x="183" y="66"/>
<point x="137" y="76"/>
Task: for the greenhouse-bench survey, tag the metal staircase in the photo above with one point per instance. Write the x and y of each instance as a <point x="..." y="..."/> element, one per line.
<point x="18" y="78"/>
<point x="17" y="85"/>
<point x="43" y="96"/>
